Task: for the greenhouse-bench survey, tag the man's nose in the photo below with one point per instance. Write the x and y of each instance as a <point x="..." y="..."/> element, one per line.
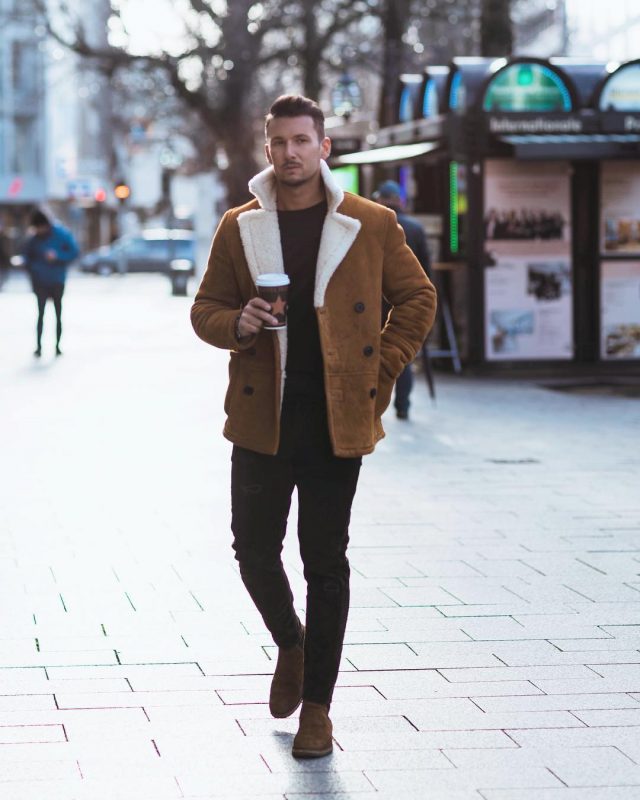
<point x="290" y="148"/>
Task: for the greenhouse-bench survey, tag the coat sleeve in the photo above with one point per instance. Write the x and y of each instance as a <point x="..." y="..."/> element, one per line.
<point x="218" y="301"/>
<point x="412" y="297"/>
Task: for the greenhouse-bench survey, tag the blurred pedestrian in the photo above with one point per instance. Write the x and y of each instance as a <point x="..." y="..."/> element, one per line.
<point x="4" y="258"/>
<point x="389" y="194"/>
<point x="304" y="402"/>
<point x="48" y="253"/>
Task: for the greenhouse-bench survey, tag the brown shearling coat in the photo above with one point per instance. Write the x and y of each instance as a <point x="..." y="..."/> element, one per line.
<point x="363" y="257"/>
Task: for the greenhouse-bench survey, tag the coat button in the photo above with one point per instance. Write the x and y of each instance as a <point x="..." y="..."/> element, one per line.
<point x="373" y="393"/>
<point x="251" y="351"/>
<point x="368" y="350"/>
<point x="248" y="390"/>
<point x="359" y="308"/>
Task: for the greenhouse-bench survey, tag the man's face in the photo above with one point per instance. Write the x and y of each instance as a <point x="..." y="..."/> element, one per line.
<point x="294" y="149"/>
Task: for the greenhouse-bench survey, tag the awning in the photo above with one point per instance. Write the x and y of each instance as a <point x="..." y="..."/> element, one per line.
<point x="578" y="146"/>
<point x="396" y="152"/>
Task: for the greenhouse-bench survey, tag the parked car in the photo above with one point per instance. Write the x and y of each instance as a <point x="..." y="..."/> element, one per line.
<point x="151" y="251"/>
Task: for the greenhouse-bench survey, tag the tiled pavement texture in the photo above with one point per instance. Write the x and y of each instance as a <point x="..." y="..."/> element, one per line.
<point x="492" y="651"/>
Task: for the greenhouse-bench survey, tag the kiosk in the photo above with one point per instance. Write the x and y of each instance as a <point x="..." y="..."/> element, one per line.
<point x="533" y="167"/>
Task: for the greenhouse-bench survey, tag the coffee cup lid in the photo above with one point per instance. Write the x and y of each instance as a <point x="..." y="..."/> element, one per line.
<point x="272" y="279"/>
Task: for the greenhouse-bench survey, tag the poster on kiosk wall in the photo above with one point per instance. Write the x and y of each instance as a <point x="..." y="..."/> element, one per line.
<point x="620" y="278"/>
<point x="527" y="257"/>
<point x="620" y="208"/>
<point x="619" y="309"/>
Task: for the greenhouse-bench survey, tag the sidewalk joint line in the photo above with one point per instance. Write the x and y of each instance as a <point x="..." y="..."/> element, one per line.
<point x="557" y="776"/>
<point x="266" y="763"/>
<point x="364" y="772"/>
<point x="591" y="566"/>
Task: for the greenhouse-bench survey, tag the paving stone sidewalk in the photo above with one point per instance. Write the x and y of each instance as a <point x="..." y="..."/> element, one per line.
<point x="493" y="646"/>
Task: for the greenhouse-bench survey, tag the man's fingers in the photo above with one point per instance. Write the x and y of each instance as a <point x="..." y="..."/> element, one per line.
<point x="259" y="304"/>
<point x="254" y="316"/>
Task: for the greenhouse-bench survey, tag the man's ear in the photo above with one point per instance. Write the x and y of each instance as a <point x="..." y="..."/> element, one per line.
<point x="267" y="153"/>
<point x="325" y="148"/>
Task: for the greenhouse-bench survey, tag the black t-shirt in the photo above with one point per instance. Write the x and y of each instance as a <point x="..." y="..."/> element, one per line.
<point x="300" y="233"/>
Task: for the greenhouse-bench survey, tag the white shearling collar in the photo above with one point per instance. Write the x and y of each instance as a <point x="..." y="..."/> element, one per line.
<point x="263" y="187"/>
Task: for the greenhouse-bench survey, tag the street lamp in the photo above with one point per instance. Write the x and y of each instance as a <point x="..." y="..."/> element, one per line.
<point x="346" y="96"/>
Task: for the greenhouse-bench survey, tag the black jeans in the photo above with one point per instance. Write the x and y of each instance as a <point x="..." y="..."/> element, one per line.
<point x="261" y="489"/>
<point x="43" y="292"/>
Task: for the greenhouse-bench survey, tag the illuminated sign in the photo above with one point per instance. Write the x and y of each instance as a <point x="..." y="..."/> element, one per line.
<point x="408" y="97"/>
<point x="527" y="87"/>
<point x="347" y="178"/>
<point x="430" y="100"/>
<point x="457" y="93"/>
<point x="622" y="91"/>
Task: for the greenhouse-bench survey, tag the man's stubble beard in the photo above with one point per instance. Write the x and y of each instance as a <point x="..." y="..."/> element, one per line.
<point x="293" y="181"/>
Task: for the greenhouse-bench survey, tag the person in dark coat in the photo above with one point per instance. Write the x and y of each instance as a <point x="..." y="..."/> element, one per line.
<point x="47" y="254"/>
<point x="4" y="259"/>
<point x="389" y="194"/>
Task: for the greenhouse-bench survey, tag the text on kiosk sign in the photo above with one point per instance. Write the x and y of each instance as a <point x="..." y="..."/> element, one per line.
<point x="535" y="125"/>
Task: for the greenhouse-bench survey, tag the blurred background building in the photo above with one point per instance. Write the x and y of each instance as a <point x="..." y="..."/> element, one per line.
<point x="23" y="104"/>
<point x="56" y="146"/>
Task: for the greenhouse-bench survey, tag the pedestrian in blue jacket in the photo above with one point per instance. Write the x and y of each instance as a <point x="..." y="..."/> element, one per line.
<point x="47" y="255"/>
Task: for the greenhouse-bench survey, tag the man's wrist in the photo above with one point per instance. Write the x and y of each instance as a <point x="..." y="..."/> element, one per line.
<point x="236" y="330"/>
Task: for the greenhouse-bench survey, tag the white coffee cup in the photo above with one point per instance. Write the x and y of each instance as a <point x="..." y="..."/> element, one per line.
<point x="274" y="288"/>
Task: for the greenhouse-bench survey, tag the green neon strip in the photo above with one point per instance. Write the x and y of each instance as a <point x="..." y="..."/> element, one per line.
<point x="454" y="242"/>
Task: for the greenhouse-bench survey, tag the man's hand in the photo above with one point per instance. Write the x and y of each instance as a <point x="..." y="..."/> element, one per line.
<point x="254" y="315"/>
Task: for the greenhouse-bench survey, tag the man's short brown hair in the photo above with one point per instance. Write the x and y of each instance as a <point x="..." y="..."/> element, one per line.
<point x="295" y="105"/>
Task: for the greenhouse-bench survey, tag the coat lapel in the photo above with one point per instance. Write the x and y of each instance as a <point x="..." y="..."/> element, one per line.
<point x="260" y="236"/>
<point x="259" y="229"/>
<point x="338" y="234"/>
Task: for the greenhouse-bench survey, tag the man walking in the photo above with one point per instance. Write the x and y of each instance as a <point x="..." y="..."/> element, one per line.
<point x="304" y="403"/>
<point x="389" y="194"/>
<point x="47" y="255"/>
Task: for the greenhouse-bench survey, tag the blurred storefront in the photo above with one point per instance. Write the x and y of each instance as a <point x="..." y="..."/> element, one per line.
<point x="55" y="134"/>
<point x="526" y="174"/>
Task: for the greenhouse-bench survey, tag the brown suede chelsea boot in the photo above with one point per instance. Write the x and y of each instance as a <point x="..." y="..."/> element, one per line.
<point x="286" y="686"/>
<point x="313" y="739"/>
